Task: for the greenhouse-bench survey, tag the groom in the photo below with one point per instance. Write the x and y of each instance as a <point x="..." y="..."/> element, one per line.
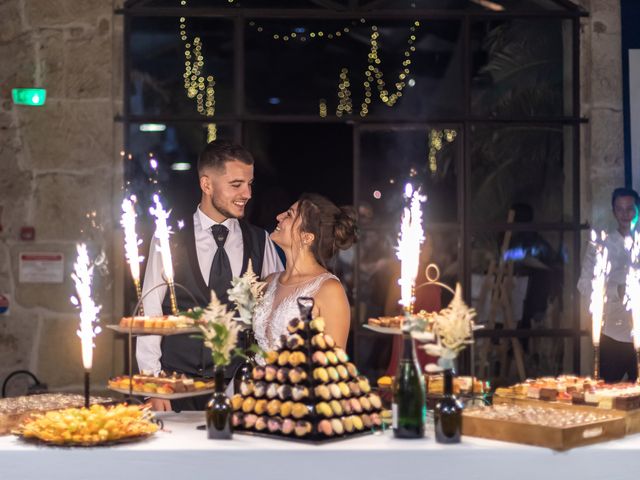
<point x="214" y="245"/>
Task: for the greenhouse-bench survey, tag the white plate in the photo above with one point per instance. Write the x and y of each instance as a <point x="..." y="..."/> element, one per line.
<point x="165" y="396"/>
<point x="387" y="330"/>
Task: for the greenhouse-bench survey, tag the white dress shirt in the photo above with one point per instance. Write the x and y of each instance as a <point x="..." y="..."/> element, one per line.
<point x="617" y="319"/>
<point x="148" y="351"/>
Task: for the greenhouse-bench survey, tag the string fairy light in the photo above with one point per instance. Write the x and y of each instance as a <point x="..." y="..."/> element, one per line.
<point x="436" y="138"/>
<point x="345" y="104"/>
<point x="303" y="34"/>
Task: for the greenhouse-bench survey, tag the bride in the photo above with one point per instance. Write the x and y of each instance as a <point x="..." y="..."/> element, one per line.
<point x="310" y="232"/>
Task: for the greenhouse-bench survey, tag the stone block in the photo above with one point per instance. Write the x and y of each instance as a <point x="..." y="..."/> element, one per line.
<point x="10" y="20"/>
<point x="88" y="65"/>
<point x="605" y="16"/>
<point x="68" y="135"/>
<point x="17" y="64"/>
<point x="52" y="58"/>
<point x="607" y="147"/>
<point x="606" y="71"/>
<point x="47" y="13"/>
<point x="18" y="333"/>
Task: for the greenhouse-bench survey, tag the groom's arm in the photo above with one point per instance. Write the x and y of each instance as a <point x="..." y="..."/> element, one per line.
<point x="271" y="260"/>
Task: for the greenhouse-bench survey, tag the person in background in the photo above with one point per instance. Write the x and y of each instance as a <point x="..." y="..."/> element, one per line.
<point x="617" y="355"/>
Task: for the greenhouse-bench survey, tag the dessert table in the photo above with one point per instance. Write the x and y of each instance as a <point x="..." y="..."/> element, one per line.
<point x="182" y="452"/>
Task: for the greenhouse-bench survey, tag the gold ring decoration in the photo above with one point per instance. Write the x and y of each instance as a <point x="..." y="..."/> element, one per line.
<point x="433" y="279"/>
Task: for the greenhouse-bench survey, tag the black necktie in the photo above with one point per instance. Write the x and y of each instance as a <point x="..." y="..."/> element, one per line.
<point x="220" y="274"/>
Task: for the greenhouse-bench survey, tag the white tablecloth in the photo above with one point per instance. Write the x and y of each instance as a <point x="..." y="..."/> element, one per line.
<point x="184" y="453"/>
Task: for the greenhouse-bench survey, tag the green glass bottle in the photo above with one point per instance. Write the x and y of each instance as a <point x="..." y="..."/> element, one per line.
<point x="448" y="413"/>
<point x="409" y="407"/>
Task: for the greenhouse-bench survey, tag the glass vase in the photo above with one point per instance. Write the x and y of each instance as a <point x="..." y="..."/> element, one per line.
<point x="218" y="410"/>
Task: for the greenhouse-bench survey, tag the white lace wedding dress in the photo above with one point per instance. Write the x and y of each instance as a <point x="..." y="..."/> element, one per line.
<point x="279" y="306"/>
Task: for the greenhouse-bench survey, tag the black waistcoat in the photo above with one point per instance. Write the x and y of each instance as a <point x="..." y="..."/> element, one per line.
<point x="182" y="353"/>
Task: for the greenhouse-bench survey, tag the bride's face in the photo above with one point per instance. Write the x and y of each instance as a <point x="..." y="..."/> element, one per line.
<point x="287" y="232"/>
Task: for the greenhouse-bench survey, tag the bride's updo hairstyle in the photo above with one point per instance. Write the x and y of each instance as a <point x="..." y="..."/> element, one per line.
<point x="334" y="228"/>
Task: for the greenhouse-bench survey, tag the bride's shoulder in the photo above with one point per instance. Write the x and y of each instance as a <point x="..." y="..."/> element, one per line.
<point x="271" y="277"/>
<point x="331" y="287"/>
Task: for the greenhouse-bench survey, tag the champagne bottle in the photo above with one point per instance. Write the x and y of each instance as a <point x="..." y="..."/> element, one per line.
<point x="409" y="407"/>
<point x="448" y="413"/>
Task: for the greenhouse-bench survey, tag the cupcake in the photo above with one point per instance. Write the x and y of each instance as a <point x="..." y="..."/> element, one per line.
<point x="259" y="389"/>
<point x="285" y="408"/>
<point x="332" y="357"/>
<point x="323" y="408"/>
<point x="282" y="375"/>
<point x="250" y="420"/>
<point x="302" y="428"/>
<point x="299" y="392"/>
<point x="344" y="389"/>
<point x="294" y="341"/>
<point x="294" y="325"/>
<point x="283" y="358"/>
<point x="284" y="392"/>
<point x="319" y="358"/>
<point x="261" y="423"/>
<point x="317" y="324"/>
<point x="299" y="410"/>
<point x="321" y="374"/>
<point x="337" y="426"/>
<point x="325" y="428"/>
<point x="336" y="407"/>
<point x="333" y="374"/>
<point x="274" y="425"/>
<point x="341" y="354"/>
<point x="318" y="341"/>
<point x="246" y="388"/>
<point x="323" y="392"/>
<point x="297" y="375"/>
<point x="347" y="423"/>
<point x="248" y="404"/>
<point x="296" y="358"/>
<point x="271" y="357"/>
<point x="272" y="390"/>
<point x="288" y="426"/>
<point x="270" y="373"/>
<point x="273" y="407"/>
<point x="236" y="401"/>
<point x="260" y="407"/>
<point x="258" y="372"/>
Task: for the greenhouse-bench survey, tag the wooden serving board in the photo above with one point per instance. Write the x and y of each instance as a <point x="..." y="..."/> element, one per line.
<point x="555" y="438"/>
<point x="631" y="417"/>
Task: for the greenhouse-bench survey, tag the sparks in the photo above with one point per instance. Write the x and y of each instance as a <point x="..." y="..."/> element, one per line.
<point x="411" y="238"/>
<point x="632" y="290"/>
<point x="83" y="271"/>
<point x="598" y="285"/>
<point x="128" y="222"/>
<point x="162" y="234"/>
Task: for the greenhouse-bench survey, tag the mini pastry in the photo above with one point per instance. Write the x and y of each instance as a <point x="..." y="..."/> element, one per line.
<point x="237" y="419"/>
<point x="356" y="406"/>
<point x="366" y="421"/>
<point x="317" y="324"/>
<point x="258" y="372"/>
<point x="236" y="401"/>
<point x="325" y="428"/>
<point x="273" y="407"/>
<point x="321" y="374"/>
<point x="336" y="407"/>
<point x="323" y="392"/>
<point x="282" y="375"/>
<point x="248" y="404"/>
<point x="375" y="418"/>
<point x="330" y="342"/>
<point x="357" y="422"/>
<point x="270" y="373"/>
<point x="250" y="420"/>
<point x="352" y="369"/>
<point x="285" y="408"/>
<point x="260" y="407"/>
<point x="296" y="358"/>
<point x="363" y="383"/>
<point x="336" y="424"/>
<point x="294" y="325"/>
<point x="299" y="392"/>
<point x="347" y="423"/>
<point x="366" y="404"/>
<point x="294" y="341"/>
<point x="318" y="341"/>
<point x="283" y="358"/>
<point x="274" y="425"/>
<point x="299" y="410"/>
<point x="333" y="374"/>
<point x="343" y="372"/>
<point x="284" y="392"/>
<point x="302" y="428"/>
<point x="335" y="390"/>
<point x="246" y="388"/>
<point x="261" y="423"/>
<point x="319" y="358"/>
<point x="375" y="401"/>
<point x="271" y="357"/>
<point x="297" y="375"/>
<point x="288" y="426"/>
<point x="272" y="390"/>
<point x="344" y="389"/>
<point x="355" y="388"/>
<point x="324" y="409"/>
<point x="341" y="354"/>
<point x="259" y="389"/>
<point x="332" y="357"/>
<point x="346" y="406"/>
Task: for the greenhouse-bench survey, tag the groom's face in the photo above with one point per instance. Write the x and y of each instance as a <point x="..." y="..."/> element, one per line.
<point x="229" y="189"/>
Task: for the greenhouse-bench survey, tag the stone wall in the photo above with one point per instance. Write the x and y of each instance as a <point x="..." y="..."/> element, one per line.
<point x="59" y="169"/>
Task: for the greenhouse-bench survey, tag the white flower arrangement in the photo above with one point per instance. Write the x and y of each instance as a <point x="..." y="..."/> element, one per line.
<point x="246" y="292"/>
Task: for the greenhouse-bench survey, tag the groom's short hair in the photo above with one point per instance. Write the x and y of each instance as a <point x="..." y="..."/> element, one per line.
<point x="219" y="152"/>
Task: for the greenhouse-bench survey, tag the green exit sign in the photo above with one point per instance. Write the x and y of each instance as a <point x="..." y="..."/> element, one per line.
<point x="33" y="97"/>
